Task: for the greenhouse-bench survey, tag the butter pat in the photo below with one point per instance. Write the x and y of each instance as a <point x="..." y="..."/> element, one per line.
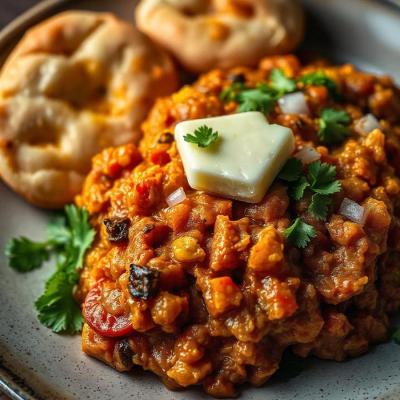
<point x="243" y="162"/>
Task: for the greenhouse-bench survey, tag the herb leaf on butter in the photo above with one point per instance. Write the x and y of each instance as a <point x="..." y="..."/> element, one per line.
<point x="300" y="233"/>
<point x="333" y="126"/>
<point x="68" y="238"/>
<point x="203" y="136"/>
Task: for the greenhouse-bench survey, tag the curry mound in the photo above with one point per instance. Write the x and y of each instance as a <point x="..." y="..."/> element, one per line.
<point x="209" y="291"/>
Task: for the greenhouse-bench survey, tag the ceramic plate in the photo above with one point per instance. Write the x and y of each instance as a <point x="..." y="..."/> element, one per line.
<point x="37" y="364"/>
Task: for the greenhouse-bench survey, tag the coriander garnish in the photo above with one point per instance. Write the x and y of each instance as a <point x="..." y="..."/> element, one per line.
<point x="68" y="239"/>
<point x="319" y="78"/>
<point x="396" y="336"/>
<point x="203" y="136"/>
<point x="333" y="126"/>
<point x="292" y="170"/>
<point x="300" y="233"/>
<point x="281" y="83"/>
<point x="24" y="255"/>
<point x="321" y="181"/>
<point x="263" y="97"/>
<point x="259" y="99"/>
<point x="319" y="205"/>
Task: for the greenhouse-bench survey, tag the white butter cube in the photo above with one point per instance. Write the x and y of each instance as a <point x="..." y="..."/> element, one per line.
<point x="243" y="162"/>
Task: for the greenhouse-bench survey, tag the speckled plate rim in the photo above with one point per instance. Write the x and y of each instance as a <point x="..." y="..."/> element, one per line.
<point x="11" y="384"/>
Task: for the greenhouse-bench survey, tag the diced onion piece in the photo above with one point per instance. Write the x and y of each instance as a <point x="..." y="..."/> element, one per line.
<point x="307" y="155"/>
<point x="353" y="211"/>
<point x="366" y="124"/>
<point x="294" y="103"/>
<point x="176" y="197"/>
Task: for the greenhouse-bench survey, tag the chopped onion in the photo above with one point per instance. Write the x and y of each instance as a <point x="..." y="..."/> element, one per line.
<point x="353" y="211"/>
<point x="366" y="124"/>
<point x="307" y="155"/>
<point x="294" y="103"/>
<point x="176" y="197"/>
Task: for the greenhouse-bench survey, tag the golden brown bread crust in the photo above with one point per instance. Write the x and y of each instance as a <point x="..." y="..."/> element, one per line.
<point x="222" y="33"/>
<point x="75" y="84"/>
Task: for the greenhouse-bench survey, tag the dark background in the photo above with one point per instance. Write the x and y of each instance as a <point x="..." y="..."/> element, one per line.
<point x="9" y="9"/>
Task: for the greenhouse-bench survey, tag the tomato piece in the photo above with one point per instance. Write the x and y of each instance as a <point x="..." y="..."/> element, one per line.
<point x="143" y="188"/>
<point x="160" y="157"/>
<point x="97" y="314"/>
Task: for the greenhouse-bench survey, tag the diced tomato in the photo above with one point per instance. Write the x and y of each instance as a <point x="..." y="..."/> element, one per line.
<point x="114" y="168"/>
<point x="160" y="157"/>
<point x="143" y="188"/>
<point x="97" y="312"/>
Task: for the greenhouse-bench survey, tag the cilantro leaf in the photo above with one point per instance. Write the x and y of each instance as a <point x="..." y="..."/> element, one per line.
<point x="202" y="136"/>
<point x="333" y="126"/>
<point x="281" y="83"/>
<point x="319" y="78"/>
<point x="322" y="177"/>
<point x="82" y="234"/>
<point x="292" y="170"/>
<point x="57" y="308"/>
<point x="57" y="232"/>
<point x="68" y="238"/>
<point x="230" y="93"/>
<point x="256" y="100"/>
<point x="298" y="188"/>
<point x="262" y="98"/>
<point x="300" y="233"/>
<point x="24" y="255"/>
<point x="319" y="206"/>
<point x="396" y="336"/>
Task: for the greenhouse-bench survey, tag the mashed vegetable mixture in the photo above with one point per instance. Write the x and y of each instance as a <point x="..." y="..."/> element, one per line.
<point x="211" y="291"/>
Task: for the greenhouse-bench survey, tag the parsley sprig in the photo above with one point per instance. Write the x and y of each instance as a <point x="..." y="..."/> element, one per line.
<point x="321" y="180"/>
<point x="68" y="238"/>
<point x="203" y="136"/>
<point x="333" y="126"/>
